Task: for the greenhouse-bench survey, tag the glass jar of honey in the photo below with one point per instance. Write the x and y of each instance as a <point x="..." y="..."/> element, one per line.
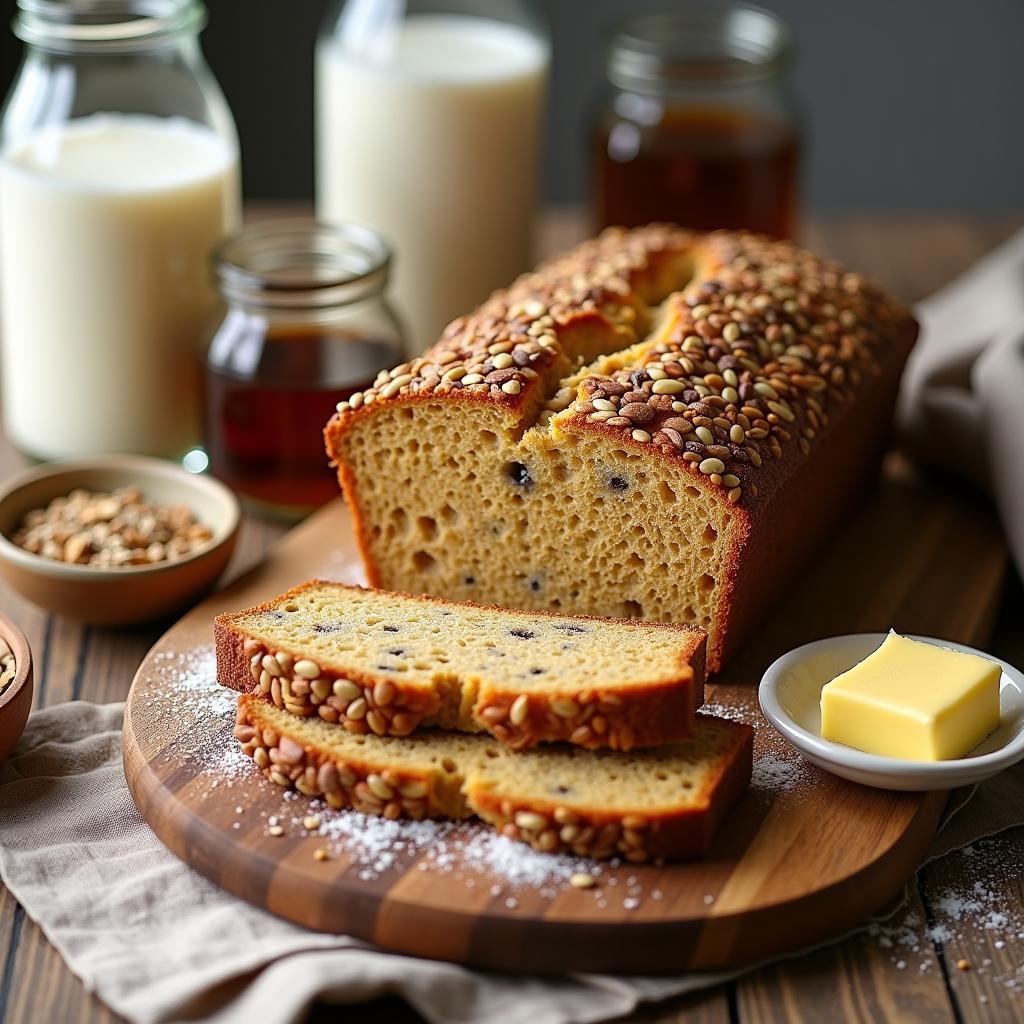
<point x="307" y="325"/>
<point x="699" y="127"/>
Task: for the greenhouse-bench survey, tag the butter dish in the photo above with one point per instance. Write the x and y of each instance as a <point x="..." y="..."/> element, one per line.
<point x="790" y="694"/>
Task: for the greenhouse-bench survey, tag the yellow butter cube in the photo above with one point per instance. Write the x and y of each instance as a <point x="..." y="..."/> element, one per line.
<point x="913" y="700"/>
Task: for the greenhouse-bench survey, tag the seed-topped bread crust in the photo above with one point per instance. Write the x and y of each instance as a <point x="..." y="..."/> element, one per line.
<point x="385" y="663"/>
<point x="740" y="367"/>
<point x="647" y="805"/>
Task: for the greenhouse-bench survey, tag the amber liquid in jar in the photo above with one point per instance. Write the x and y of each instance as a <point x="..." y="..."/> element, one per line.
<point x="703" y="168"/>
<point x="265" y="430"/>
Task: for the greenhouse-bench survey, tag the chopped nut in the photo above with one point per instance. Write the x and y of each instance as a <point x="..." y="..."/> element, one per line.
<point x="78" y="548"/>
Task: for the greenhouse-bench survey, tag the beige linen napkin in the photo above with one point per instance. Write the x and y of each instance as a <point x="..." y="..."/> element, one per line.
<point x="962" y="398"/>
<point x="157" y="942"/>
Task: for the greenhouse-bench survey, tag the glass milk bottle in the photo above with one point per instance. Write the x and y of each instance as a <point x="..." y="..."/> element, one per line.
<point x="118" y="176"/>
<point x="429" y="116"/>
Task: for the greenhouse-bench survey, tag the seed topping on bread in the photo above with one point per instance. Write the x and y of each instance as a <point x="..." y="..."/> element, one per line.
<point x="747" y="346"/>
<point x="384" y="664"/>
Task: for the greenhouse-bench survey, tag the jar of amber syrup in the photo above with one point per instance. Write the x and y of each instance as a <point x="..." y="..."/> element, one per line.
<point x="307" y="325"/>
<point x="699" y="127"/>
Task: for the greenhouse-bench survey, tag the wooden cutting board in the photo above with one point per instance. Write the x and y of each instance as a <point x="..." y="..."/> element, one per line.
<point x="803" y="857"/>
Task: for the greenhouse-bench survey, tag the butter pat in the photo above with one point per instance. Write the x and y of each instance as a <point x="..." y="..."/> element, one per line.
<point x="914" y="701"/>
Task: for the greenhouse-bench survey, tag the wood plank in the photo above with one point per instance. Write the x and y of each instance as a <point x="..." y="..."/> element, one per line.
<point x="711" y="1007"/>
<point x="977" y="898"/>
<point x="858" y="980"/>
<point x="43" y="989"/>
<point x="12" y="919"/>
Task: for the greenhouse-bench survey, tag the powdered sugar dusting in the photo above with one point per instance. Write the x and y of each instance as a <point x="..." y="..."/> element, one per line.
<point x="778" y="768"/>
<point x="778" y="774"/>
<point x="465" y="850"/>
<point x="195" y="717"/>
<point x="976" y="926"/>
<point x="484" y="851"/>
<point x="729" y="712"/>
<point x="192" y="675"/>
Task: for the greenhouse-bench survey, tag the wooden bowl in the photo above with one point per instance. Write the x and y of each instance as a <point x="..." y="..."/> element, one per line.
<point x="16" y="698"/>
<point x="129" y="594"/>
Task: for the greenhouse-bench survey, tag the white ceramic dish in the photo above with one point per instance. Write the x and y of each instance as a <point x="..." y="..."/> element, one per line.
<point x="790" y="695"/>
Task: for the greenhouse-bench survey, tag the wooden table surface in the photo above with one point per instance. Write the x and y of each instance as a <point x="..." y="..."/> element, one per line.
<point x="864" y="978"/>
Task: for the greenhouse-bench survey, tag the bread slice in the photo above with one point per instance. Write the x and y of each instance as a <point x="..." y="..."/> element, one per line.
<point x="387" y="663"/>
<point x="655" y="425"/>
<point x="664" y="803"/>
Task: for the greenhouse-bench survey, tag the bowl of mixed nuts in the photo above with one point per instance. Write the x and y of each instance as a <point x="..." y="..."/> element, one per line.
<point x="115" y="540"/>
<point x="15" y="684"/>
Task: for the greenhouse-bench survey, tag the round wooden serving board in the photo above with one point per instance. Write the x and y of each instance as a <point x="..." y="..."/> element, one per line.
<point x="803" y="857"/>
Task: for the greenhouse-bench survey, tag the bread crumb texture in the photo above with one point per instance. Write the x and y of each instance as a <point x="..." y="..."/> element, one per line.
<point x="387" y="663"/>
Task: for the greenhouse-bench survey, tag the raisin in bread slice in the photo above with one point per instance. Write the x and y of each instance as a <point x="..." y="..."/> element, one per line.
<point x="387" y="663"/>
<point x="662" y="803"/>
<point x="656" y="425"/>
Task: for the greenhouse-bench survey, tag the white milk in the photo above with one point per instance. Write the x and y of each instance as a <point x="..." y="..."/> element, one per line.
<point x="106" y="226"/>
<point x="430" y="135"/>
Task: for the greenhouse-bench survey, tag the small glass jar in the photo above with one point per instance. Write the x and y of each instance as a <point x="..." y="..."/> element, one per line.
<point x="118" y="175"/>
<point x="699" y="127"/>
<point x="428" y="126"/>
<point x="308" y="324"/>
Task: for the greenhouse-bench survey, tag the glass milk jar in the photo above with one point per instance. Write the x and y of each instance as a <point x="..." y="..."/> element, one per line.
<point x="428" y="127"/>
<point x="118" y="176"/>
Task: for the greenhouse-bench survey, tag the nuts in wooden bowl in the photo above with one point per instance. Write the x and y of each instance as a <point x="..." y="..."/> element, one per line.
<point x="8" y="665"/>
<point x="115" y="539"/>
<point x="110" y="529"/>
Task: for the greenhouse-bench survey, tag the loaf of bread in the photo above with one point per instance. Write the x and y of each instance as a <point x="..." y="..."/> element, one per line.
<point x="649" y="804"/>
<point x="386" y="663"/>
<point x="657" y="425"/>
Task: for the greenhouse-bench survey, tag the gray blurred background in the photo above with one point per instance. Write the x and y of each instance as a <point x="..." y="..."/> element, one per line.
<point x="909" y="105"/>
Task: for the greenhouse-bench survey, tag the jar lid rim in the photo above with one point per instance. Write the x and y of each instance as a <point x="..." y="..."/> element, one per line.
<point x="705" y="43"/>
<point x="75" y="24"/>
<point x="300" y="261"/>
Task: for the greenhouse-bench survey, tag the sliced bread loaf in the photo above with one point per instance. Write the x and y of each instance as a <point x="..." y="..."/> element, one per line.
<point x="654" y="425"/>
<point x="387" y="663"/>
<point x="664" y="803"/>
